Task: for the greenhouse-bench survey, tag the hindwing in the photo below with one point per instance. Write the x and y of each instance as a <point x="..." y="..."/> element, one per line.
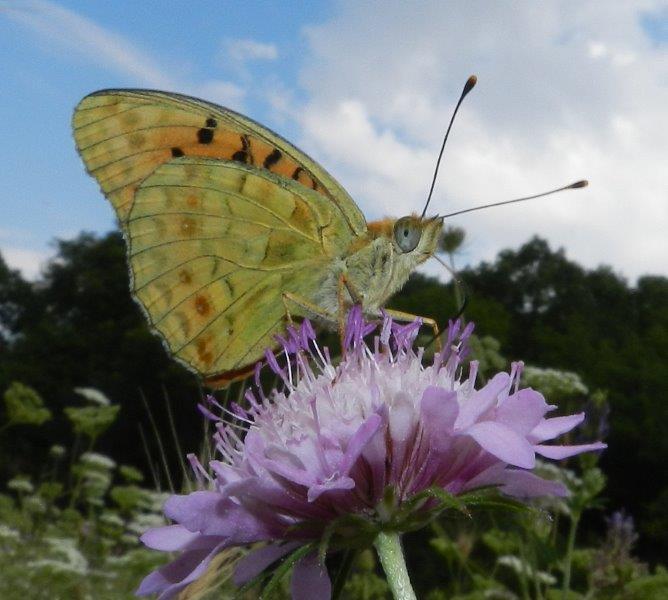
<point x="212" y="246"/>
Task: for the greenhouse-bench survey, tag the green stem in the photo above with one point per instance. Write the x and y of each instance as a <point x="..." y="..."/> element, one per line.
<point x="388" y="546"/>
<point x="575" y="520"/>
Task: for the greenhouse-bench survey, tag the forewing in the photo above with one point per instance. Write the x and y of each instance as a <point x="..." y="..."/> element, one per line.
<point x="124" y="135"/>
<point x="212" y="246"/>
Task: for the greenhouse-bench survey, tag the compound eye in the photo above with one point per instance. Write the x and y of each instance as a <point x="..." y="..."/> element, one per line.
<point x="407" y="233"/>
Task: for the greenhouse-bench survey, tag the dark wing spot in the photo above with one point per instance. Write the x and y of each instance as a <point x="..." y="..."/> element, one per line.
<point x="177" y="152"/>
<point x="272" y="158"/>
<point x="245" y="141"/>
<point x="296" y="173"/>
<point x="205" y="136"/>
<point x="244" y="155"/>
<point x="210" y="122"/>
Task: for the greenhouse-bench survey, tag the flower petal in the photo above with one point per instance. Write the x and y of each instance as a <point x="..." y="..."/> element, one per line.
<point x="256" y="561"/>
<point x="504" y="443"/>
<point x="169" y="538"/>
<point x="192" y="510"/>
<point x="480" y="401"/>
<point x="340" y="483"/>
<point x="310" y="580"/>
<point x="524" y="484"/>
<point x="402" y="418"/>
<point x="438" y="413"/>
<point x="173" y="577"/>
<point x="213" y="514"/>
<point x="358" y="442"/>
<point x="559" y="452"/>
<point x="551" y="428"/>
<point x="522" y="411"/>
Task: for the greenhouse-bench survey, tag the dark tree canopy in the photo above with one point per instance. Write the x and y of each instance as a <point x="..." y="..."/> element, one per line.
<point x="80" y="327"/>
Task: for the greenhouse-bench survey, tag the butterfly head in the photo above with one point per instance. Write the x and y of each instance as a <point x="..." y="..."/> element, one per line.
<point x="416" y="236"/>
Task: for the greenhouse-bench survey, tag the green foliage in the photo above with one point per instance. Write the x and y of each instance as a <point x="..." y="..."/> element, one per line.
<point x="78" y="327"/>
<point x="554" y="384"/>
<point x="486" y="350"/>
<point x="69" y="519"/>
<point x="62" y="537"/>
<point x="130" y="474"/>
<point x="451" y="239"/>
<point x="652" y="587"/>
<point x="92" y="421"/>
<point x="24" y="406"/>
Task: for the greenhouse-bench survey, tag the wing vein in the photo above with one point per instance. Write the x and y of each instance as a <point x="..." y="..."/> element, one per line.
<point x="218" y="316"/>
<point x="178" y="266"/>
<point x="239" y="197"/>
<point x="288" y="267"/>
<point x="232" y="338"/>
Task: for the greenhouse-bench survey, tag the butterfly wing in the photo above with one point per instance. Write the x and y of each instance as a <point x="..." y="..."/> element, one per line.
<point x="124" y="135"/>
<point x="221" y="216"/>
<point x="212" y="247"/>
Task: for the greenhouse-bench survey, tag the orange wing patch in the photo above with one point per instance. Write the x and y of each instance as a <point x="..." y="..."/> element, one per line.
<point x="124" y="138"/>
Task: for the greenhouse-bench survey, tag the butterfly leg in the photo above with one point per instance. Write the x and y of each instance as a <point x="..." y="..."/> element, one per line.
<point x="405" y="317"/>
<point x="305" y="306"/>
<point x="358" y="298"/>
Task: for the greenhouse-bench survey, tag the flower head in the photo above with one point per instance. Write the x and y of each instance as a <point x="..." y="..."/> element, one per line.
<point x="363" y="440"/>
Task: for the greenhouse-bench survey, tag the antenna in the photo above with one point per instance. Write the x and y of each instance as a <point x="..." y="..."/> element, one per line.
<point x="578" y="184"/>
<point x="468" y="86"/>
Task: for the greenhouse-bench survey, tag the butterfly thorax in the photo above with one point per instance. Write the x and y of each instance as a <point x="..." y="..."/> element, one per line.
<point x="376" y="266"/>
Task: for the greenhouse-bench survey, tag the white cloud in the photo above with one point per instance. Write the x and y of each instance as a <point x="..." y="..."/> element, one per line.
<point x="85" y="38"/>
<point x="566" y="91"/>
<point x="243" y="50"/>
<point x="89" y="40"/>
<point x="28" y="261"/>
<point x="221" y="92"/>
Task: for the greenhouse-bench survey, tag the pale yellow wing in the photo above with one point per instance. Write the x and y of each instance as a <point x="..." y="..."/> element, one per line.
<point x="124" y="135"/>
<point x="213" y="245"/>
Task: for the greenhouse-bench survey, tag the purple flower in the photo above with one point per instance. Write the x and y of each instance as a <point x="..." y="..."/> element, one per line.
<point x="357" y="441"/>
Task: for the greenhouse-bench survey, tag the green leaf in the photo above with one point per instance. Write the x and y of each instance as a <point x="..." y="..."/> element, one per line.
<point x="445" y="501"/>
<point x="130" y="474"/>
<point x="92" y="421"/>
<point x="25" y="406"/>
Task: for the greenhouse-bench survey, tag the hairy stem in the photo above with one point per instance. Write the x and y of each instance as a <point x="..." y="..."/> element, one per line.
<point x="388" y="546"/>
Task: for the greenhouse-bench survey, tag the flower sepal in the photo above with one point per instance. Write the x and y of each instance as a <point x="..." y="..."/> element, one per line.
<point x="348" y="532"/>
<point x="490" y="498"/>
<point x="275" y="575"/>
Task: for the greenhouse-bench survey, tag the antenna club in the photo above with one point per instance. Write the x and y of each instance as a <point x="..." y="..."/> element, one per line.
<point x="469" y="85"/>
<point x="580" y="184"/>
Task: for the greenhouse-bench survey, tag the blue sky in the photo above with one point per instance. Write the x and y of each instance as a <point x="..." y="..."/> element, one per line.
<point x="169" y="44"/>
<point x="567" y="90"/>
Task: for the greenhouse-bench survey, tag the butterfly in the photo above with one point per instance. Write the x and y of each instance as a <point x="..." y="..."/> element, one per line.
<point x="232" y="231"/>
